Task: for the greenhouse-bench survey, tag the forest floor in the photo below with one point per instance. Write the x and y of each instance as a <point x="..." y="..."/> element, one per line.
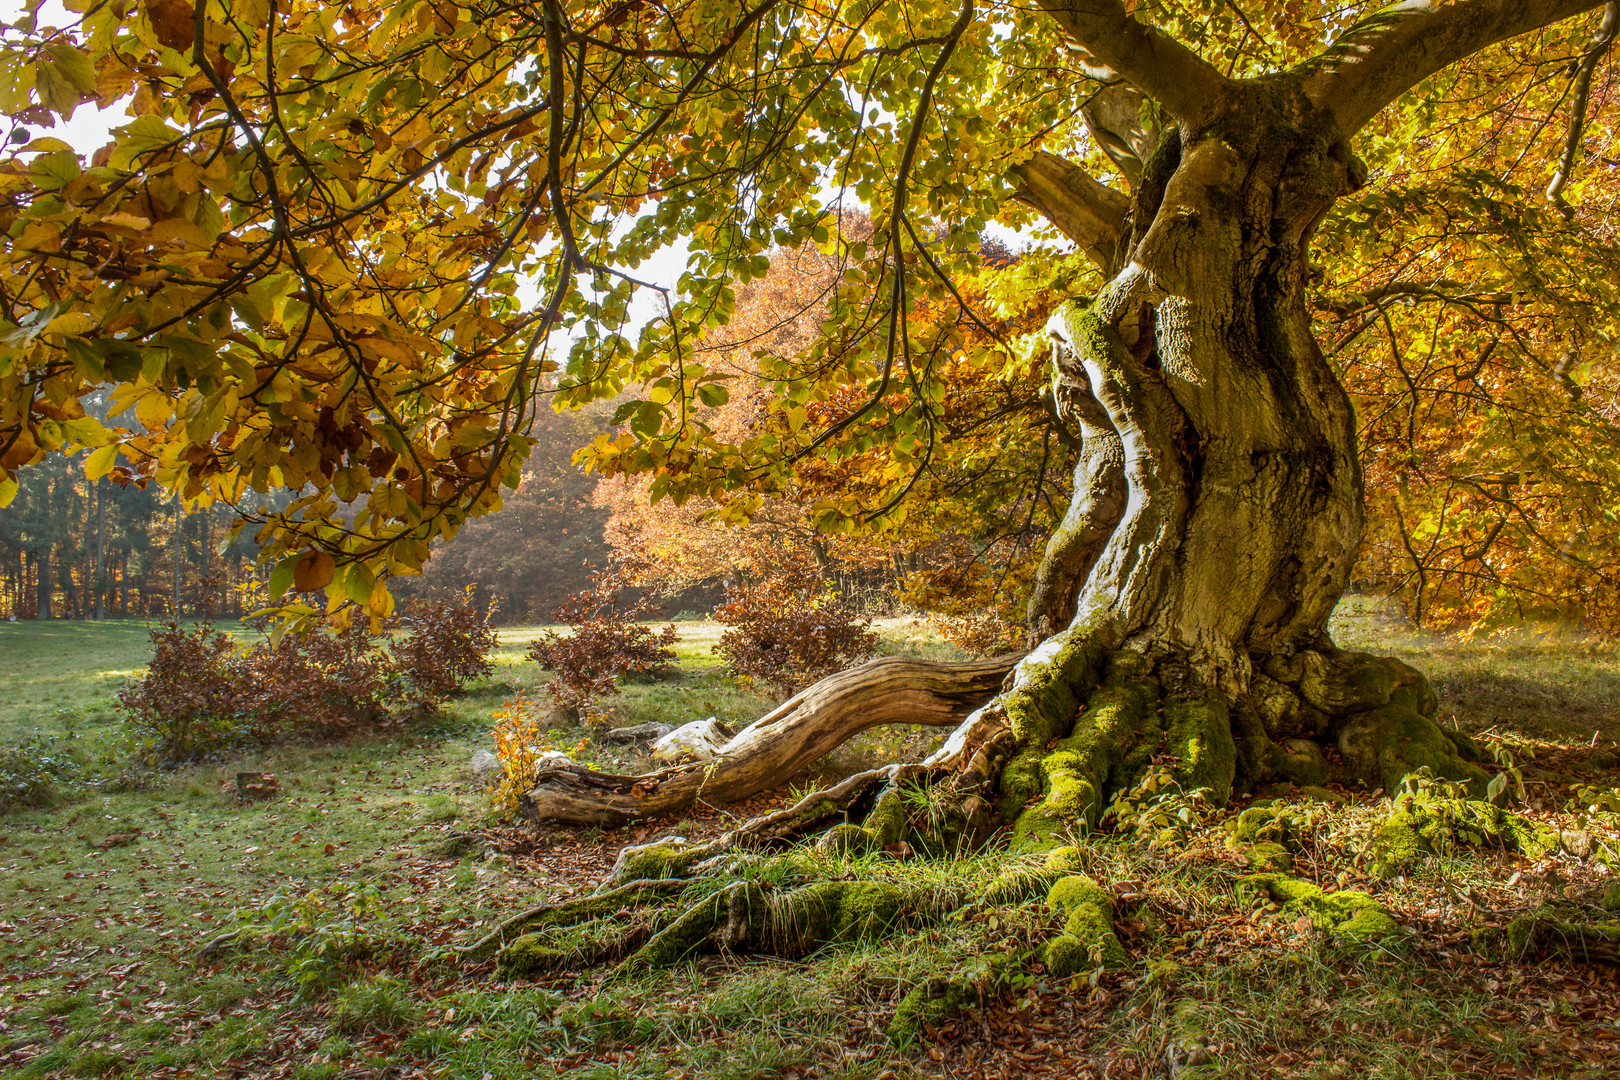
<point x="380" y="854"/>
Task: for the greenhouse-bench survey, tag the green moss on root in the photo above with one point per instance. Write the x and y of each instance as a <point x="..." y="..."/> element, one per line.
<point x="1270" y="857"/>
<point x="1088" y="937"/>
<point x="1349" y="916"/>
<point x="679" y="939"/>
<point x="1547" y="932"/>
<point x="887" y="823"/>
<point x="837" y="912"/>
<point x="1272" y="822"/>
<point x="529" y="955"/>
<point x="670" y="858"/>
<point x="1074" y="774"/>
<point x="1429" y="824"/>
<point x="1388" y="743"/>
<point x="1199" y="733"/>
<point x="1049" y="687"/>
<point x="935" y="999"/>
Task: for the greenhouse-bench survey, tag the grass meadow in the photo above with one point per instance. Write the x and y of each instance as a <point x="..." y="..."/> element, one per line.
<point x="381" y="853"/>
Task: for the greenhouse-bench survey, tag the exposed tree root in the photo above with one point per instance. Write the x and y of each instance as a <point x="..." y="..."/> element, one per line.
<point x="1074" y="724"/>
<point x="776" y="747"/>
<point x="1348" y="916"/>
<point x="1544" y="933"/>
<point x="602" y="903"/>
<point x="1433" y="824"/>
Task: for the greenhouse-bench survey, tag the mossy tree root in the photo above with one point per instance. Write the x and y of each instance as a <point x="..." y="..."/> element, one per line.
<point x="1377" y="712"/>
<point x="1429" y="823"/>
<point x="1076" y="722"/>
<point x="1547" y="933"/>
<point x="587" y="907"/>
<point x="1347" y="916"/>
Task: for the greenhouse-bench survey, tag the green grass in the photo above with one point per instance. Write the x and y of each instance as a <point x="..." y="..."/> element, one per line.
<point x="379" y="856"/>
<point x="61" y="676"/>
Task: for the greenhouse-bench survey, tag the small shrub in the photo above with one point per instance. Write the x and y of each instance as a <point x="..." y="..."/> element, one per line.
<point x="606" y="639"/>
<point x="376" y="1004"/>
<point x="790" y="629"/>
<point x="331" y="681"/>
<point x="981" y="634"/>
<point x="324" y="935"/>
<point x="191" y="700"/>
<point x="32" y="773"/>
<point x="521" y="745"/>
<point x="203" y="692"/>
<point x="448" y="645"/>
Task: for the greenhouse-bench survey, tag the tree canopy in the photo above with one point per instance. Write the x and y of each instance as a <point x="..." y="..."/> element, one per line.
<point x="350" y="250"/>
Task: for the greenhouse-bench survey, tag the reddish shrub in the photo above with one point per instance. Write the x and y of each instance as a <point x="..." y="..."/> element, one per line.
<point x="191" y="700"/>
<point x="448" y="644"/>
<point x="332" y="681"/>
<point x="204" y="691"/>
<point x="606" y="640"/>
<point x="983" y="634"/>
<point x="790" y="629"/>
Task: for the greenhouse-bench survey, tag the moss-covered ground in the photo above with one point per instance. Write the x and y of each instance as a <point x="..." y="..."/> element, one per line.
<point x="379" y="856"/>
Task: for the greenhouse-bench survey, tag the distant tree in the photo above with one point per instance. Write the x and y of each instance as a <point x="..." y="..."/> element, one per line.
<point x="541" y="546"/>
<point x="977" y="515"/>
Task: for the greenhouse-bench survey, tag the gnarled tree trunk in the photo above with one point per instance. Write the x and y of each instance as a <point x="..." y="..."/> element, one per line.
<point x="1218" y="505"/>
<point x="1216" y="517"/>
<point x="1183" y="604"/>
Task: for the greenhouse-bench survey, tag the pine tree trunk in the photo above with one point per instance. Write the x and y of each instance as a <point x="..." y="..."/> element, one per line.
<point x="42" y="605"/>
<point x="178" y="519"/>
<point x="101" y="550"/>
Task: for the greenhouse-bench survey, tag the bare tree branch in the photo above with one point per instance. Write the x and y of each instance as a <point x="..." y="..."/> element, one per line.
<point x="1146" y="57"/>
<point x="1607" y="30"/>
<point x="1089" y="212"/>
<point x="1389" y="52"/>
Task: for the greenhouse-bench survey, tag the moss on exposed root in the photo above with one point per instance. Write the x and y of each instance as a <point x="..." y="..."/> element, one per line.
<point x="1074" y="774"/>
<point x="1049" y="686"/>
<point x="835" y="912"/>
<point x="941" y="996"/>
<point x="1088" y="939"/>
<point x="1393" y="741"/>
<point x="1349" y="916"/>
<point x="886" y="823"/>
<point x="1549" y="932"/>
<point x="669" y="857"/>
<point x="1198" y="731"/>
<point x="1429" y="824"/>
<point x="679" y="939"/>
<point x="1270" y="858"/>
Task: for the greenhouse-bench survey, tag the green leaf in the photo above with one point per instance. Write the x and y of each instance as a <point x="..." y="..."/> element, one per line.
<point x="55" y="170"/>
<point x="55" y="92"/>
<point x="74" y="66"/>
<point x="281" y="578"/>
<point x="359" y="582"/>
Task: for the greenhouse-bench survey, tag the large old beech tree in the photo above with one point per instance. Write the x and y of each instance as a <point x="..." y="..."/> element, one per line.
<point x="348" y="249"/>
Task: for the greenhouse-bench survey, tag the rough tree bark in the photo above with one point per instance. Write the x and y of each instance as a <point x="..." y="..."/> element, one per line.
<point x="1183" y="604"/>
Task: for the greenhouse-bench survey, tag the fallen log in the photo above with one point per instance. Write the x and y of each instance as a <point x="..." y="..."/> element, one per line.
<point x="779" y="745"/>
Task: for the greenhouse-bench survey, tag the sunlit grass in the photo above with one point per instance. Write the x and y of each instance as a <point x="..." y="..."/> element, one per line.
<point x="398" y="816"/>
